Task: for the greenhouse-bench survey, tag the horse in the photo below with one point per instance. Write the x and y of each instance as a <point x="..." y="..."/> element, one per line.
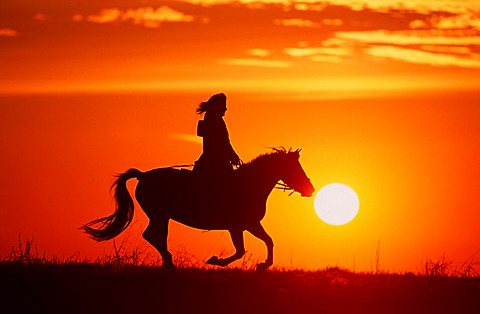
<point x="237" y="203"/>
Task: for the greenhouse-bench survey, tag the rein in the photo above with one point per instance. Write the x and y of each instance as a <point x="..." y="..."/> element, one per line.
<point x="284" y="187"/>
<point x="181" y="166"/>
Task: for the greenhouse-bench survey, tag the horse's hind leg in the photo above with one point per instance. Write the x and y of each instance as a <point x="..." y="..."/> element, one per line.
<point x="258" y="231"/>
<point x="237" y="239"/>
<point x="156" y="234"/>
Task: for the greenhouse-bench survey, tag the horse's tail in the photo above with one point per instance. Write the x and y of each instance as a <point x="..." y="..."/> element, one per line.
<point x="113" y="225"/>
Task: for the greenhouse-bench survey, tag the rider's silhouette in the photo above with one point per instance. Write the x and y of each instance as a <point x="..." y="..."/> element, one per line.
<point x="218" y="156"/>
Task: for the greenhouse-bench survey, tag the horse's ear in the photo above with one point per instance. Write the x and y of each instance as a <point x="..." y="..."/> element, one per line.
<point x="297" y="152"/>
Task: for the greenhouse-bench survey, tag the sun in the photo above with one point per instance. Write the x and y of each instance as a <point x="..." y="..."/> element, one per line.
<point x="336" y="204"/>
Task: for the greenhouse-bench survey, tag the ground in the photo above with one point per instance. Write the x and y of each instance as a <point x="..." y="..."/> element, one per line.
<point x="95" y="288"/>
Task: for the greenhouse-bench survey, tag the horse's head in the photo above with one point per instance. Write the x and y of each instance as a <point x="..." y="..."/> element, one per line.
<point x="293" y="175"/>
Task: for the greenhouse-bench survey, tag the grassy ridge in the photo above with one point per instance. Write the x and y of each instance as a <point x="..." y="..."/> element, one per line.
<point x="95" y="288"/>
<point x="131" y="281"/>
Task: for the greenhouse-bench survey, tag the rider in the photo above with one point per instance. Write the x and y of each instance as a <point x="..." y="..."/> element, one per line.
<point x="218" y="156"/>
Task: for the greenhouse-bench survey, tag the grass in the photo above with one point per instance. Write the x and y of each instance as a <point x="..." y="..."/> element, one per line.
<point x="130" y="281"/>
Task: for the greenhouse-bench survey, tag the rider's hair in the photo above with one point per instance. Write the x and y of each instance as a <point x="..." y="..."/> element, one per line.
<point x="213" y="103"/>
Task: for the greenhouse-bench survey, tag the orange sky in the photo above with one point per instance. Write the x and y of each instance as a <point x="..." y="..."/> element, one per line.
<point x="380" y="96"/>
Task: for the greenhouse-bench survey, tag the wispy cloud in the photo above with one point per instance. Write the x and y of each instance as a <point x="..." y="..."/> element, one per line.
<point x="296" y="23"/>
<point x="319" y="54"/>
<point x="265" y="63"/>
<point x="416" y="24"/>
<point x="258" y="52"/>
<point x="419" y="6"/>
<point x="145" y="16"/>
<point x="332" y="22"/>
<point x="323" y="58"/>
<point x="106" y="16"/>
<point x="186" y="138"/>
<point x="8" y="32"/>
<point x="308" y="23"/>
<point x="445" y="31"/>
<point x="428" y="47"/>
<point x="305" y="6"/>
<point x="447" y="49"/>
<point x="305" y="52"/>
<point x="410" y="37"/>
<point x="460" y="21"/>
<point x="422" y="57"/>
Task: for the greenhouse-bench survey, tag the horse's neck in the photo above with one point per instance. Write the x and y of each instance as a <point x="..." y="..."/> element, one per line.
<point x="264" y="178"/>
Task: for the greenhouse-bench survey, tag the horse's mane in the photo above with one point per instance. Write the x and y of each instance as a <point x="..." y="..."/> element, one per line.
<point x="274" y="153"/>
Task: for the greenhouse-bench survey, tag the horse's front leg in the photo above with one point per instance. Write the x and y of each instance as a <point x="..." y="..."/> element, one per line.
<point x="258" y="231"/>
<point x="237" y="239"/>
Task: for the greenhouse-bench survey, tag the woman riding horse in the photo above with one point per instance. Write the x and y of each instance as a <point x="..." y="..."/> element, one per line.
<point x="218" y="156"/>
<point x="236" y="203"/>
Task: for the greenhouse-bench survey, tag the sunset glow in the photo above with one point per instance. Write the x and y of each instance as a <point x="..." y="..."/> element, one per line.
<point x="381" y="95"/>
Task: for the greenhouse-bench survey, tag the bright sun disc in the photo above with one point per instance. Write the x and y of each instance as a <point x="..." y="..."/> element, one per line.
<point x="336" y="204"/>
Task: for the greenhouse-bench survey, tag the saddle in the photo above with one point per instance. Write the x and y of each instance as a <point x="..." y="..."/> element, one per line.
<point x="204" y="190"/>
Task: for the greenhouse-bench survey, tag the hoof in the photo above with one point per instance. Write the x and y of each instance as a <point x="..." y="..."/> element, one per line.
<point x="263" y="267"/>
<point x="222" y="262"/>
<point x="213" y="260"/>
<point x="168" y="266"/>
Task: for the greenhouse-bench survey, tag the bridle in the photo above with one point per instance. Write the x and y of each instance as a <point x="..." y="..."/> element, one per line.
<point x="285" y="187"/>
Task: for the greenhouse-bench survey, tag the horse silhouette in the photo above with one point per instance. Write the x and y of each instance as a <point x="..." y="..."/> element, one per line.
<point x="236" y="204"/>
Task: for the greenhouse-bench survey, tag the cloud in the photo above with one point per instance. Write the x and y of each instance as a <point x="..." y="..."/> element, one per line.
<point x="411" y="37"/>
<point x="447" y="49"/>
<point x="428" y="47"/>
<point x="296" y="23"/>
<point x="186" y="138"/>
<point x="258" y="52"/>
<point x="323" y="58"/>
<point x="334" y="42"/>
<point x="145" y="16"/>
<point x="304" y="6"/>
<point x="418" y="6"/>
<point x="256" y="62"/>
<point x="421" y="57"/>
<point x="332" y="22"/>
<point x="305" y="52"/>
<point x="460" y="21"/>
<point x="106" y="16"/>
<point x="308" y="23"/>
<point x="8" y="32"/>
<point x="319" y="54"/>
<point x="415" y="24"/>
